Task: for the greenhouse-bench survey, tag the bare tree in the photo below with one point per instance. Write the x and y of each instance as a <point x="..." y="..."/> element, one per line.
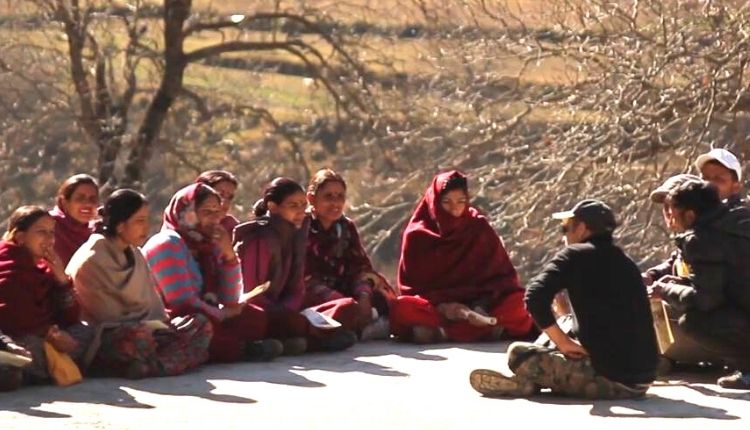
<point x="546" y="103"/>
<point x="106" y="91"/>
<point x="542" y="103"/>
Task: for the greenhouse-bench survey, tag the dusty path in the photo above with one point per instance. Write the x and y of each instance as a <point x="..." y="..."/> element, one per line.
<point x="373" y="386"/>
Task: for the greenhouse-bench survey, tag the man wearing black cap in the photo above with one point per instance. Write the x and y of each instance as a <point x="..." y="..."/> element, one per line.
<point x="616" y="356"/>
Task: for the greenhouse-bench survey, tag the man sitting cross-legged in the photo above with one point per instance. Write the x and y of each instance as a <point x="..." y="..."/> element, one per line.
<point x="616" y="356"/>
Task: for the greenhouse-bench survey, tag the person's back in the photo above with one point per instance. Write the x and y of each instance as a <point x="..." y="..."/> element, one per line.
<point x="732" y="228"/>
<point x="611" y="306"/>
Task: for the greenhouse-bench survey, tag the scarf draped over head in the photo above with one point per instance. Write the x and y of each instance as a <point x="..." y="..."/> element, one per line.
<point x="113" y="285"/>
<point x="69" y="233"/>
<point x="453" y="259"/>
<point x="180" y="216"/>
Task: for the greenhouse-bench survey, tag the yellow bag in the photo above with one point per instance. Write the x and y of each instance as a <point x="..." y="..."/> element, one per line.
<point x="61" y="367"/>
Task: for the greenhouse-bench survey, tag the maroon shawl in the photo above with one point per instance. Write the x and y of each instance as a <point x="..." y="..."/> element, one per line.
<point x="336" y="256"/>
<point x="180" y="216"/>
<point x="31" y="299"/>
<point x="69" y="233"/>
<point x="272" y="249"/>
<point x="453" y="259"/>
<point x="229" y="222"/>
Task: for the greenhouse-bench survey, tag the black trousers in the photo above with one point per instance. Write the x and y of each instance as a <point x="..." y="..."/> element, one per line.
<point x="724" y="331"/>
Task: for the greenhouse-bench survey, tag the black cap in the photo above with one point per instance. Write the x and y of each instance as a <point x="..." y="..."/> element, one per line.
<point x="597" y="216"/>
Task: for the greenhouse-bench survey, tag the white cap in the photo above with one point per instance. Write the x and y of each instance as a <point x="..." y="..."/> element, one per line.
<point x="724" y="157"/>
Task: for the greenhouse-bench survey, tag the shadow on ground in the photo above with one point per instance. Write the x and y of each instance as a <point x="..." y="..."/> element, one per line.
<point x="283" y="371"/>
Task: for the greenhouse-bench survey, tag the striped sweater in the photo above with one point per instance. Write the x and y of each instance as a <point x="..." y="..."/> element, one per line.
<point x="179" y="278"/>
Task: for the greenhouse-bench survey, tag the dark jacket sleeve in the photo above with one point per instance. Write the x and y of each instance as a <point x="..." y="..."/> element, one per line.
<point x="555" y="277"/>
<point x="664" y="268"/>
<point x="708" y="275"/>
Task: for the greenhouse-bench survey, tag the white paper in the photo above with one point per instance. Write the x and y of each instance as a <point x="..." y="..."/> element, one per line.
<point x="319" y="320"/>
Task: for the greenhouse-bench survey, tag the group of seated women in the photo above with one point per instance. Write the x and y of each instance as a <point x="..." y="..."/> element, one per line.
<point x="84" y="290"/>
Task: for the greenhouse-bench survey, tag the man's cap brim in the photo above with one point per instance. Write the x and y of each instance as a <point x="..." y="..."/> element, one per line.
<point x="563" y="215"/>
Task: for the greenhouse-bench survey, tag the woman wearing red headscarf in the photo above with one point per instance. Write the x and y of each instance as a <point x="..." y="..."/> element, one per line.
<point x="456" y="279"/>
<point x="75" y="208"/>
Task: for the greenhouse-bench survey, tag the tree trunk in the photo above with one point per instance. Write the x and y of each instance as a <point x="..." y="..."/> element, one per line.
<point x="175" y="14"/>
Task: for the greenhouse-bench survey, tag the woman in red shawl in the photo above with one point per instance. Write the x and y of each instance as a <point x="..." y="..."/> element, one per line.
<point x="337" y="265"/>
<point x="37" y="302"/>
<point x="225" y="183"/>
<point x="455" y="275"/>
<point x="77" y="200"/>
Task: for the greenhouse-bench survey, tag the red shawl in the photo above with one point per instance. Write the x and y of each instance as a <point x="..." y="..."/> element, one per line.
<point x="181" y="217"/>
<point x="31" y="300"/>
<point x="69" y="233"/>
<point x="453" y="259"/>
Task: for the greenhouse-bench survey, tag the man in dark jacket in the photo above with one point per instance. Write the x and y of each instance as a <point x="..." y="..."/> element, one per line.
<point x="714" y="289"/>
<point x="682" y="348"/>
<point x="616" y="356"/>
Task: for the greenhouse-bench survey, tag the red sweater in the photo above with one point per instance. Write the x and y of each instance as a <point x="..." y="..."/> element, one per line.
<point x="31" y="299"/>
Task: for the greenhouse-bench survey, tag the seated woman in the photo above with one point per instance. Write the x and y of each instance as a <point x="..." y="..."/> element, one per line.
<point x="456" y="279"/>
<point x="225" y="184"/>
<point x="197" y="271"/>
<point x="37" y="302"/>
<point x="272" y="248"/>
<point x="77" y="200"/>
<point x="337" y="265"/>
<point x="118" y="295"/>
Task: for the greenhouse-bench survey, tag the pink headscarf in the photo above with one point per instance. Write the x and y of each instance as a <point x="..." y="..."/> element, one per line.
<point x="180" y="216"/>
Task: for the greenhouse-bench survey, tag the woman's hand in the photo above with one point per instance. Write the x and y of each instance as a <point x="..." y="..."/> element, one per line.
<point x="454" y="311"/>
<point x="385" y="290"/>
<point x="231" y="311"/>
<point x="365" y="308"/>
<point x="61" y="340"/>
<point x="221" y="238"/>
<point x="56" y="265"/>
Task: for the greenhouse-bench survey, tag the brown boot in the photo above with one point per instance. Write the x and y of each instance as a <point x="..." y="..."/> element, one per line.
<point x="494" y="384"/>
<point x="736" y="381"/>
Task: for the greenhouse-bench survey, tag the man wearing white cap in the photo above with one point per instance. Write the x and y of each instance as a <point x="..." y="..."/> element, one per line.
<point x="722" y="169"/>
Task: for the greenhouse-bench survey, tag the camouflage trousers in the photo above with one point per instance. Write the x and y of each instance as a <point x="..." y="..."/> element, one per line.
<point x="549" y="368"/>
